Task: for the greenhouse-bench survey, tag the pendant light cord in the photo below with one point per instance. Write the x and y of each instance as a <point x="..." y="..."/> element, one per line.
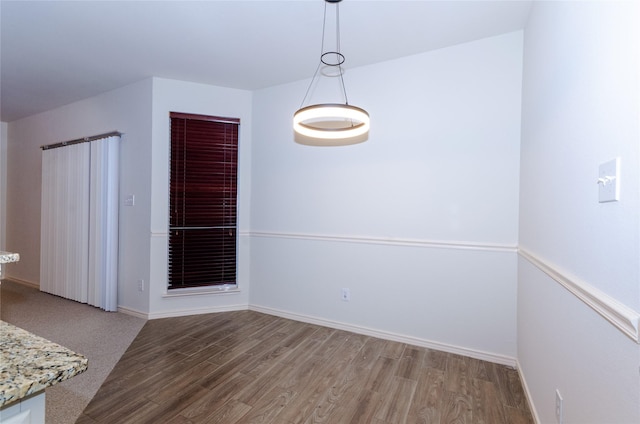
<point x="344" y="89"/>
<point x="322" y="52"/>
<point x="324" y="26"/>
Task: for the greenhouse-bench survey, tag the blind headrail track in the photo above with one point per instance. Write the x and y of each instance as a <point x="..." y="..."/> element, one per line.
<point x="80" y="140"/>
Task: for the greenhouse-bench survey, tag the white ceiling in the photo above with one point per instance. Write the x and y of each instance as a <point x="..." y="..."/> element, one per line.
<point x="56" y="52"/>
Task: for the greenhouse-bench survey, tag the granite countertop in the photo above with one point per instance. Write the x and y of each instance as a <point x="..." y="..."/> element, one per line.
<point x="6" y="257"/>
<point x="29" y="364"/>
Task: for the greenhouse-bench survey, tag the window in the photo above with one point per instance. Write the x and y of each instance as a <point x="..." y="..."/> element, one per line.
<point x="202" y="201"/>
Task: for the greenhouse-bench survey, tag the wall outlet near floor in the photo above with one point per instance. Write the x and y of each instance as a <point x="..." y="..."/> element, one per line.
<point x="345" y="295"/>
<point x="558" y="407"/>
<point x="141" y="285"/>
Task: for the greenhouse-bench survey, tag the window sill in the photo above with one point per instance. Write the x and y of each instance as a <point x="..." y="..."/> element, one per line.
<point x="199" y="291"/>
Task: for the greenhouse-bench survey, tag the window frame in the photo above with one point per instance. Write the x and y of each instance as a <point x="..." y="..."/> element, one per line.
<point x="213" y="287"/>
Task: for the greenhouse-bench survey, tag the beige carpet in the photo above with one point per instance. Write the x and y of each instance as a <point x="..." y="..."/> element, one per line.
<point x="100" y="336"/>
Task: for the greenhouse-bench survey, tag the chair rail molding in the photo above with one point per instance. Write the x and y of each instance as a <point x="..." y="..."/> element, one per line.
<point x="391" y="241"/>
<point x="621" y="316"/>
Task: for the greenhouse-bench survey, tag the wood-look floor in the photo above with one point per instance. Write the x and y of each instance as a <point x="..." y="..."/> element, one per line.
<point x="247" y="367"/>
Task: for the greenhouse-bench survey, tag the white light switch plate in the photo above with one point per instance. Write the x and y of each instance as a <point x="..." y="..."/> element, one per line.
<point x="609" y="181"/>
<point x="130" y="200"/>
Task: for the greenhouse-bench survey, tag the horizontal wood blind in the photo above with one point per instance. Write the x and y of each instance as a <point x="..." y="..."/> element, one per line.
<point x="203" y="201"/>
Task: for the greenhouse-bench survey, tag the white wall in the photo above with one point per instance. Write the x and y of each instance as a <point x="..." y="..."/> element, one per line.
<point x="3" y="182"/>
<point x="178" y="96"/>
<point x="420" y="222"/>
<point x="128" y="110"/>
<point x="141" y="112"/>
<point x="580" y="109"/>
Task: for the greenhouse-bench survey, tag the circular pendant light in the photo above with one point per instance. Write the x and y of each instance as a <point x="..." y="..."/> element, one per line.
<point x="331" y="121"/>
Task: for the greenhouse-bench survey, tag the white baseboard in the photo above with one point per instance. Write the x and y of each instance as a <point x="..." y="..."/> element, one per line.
<point x="133" y="312"/>
<point x="24" y="282"/>
<point x="527" y="393"/>
<point x="199" y="311"/>
<point x="415" y="341"/>
<point x="485" y="356"/>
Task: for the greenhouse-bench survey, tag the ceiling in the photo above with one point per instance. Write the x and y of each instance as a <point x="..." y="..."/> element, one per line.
<point x="56" y="52"/>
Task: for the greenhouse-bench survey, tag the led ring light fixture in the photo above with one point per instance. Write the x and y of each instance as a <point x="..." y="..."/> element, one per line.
<point x="331" y="121"/>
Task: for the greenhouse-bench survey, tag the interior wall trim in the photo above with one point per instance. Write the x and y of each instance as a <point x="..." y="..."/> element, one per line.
<point x="166" y="233"/>
<point x="621" y="316"/>
<point x="527" y="392"/>
<point x="182" y="312"/>
<point x="414" y="341"/>
<point x="389" y="241"/>
<point x="24" y="282"/>
<point x="133" y="312"/>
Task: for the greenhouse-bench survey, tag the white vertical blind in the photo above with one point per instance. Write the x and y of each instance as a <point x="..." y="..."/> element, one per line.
<point x="79" y="230"/>
<point x="64" y="237"/>
<point x="103" y="224"/>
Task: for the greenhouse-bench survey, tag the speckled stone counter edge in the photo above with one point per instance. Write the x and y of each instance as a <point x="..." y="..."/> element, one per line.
<point x="29" y="363"/>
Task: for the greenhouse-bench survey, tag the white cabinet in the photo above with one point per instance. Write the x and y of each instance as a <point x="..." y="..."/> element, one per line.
<point x="29" y="410"/>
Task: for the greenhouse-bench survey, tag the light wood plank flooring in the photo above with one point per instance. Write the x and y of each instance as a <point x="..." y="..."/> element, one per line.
<point x="247" y="367"/>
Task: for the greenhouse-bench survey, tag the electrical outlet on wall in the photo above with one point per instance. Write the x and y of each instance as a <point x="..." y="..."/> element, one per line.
<point x="345" y="295"/>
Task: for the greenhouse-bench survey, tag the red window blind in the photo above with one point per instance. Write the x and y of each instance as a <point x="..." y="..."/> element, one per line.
<point x="203" y="201"/>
